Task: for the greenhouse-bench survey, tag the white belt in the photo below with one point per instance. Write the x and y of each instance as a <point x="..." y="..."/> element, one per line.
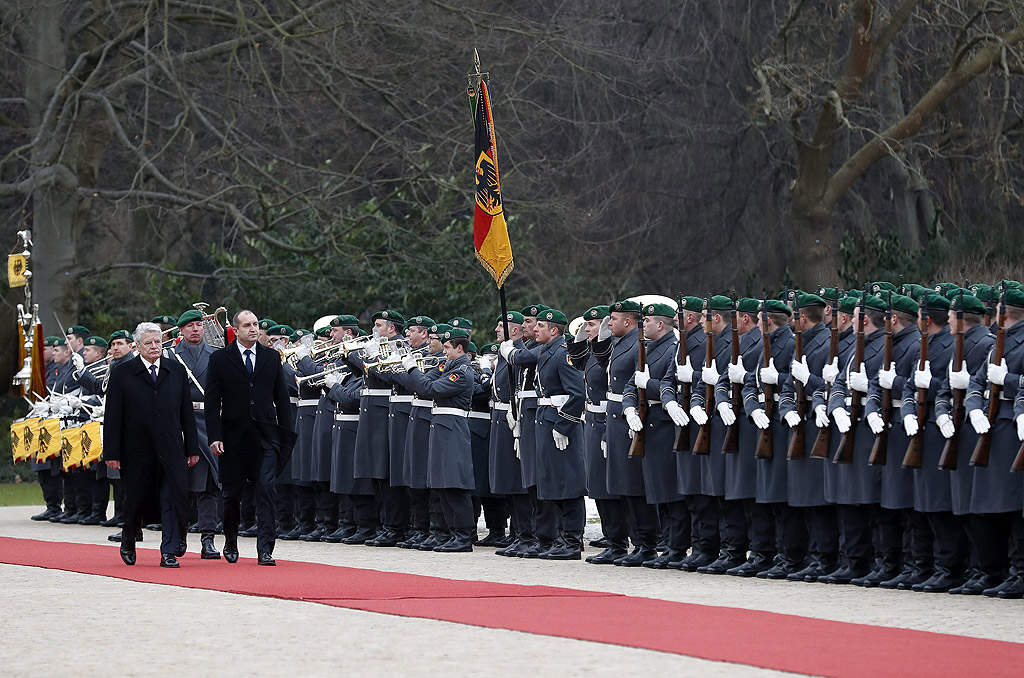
<point x="416" y="402"/>
<point x="553" y="401"/>
<point x="614" y="397"/>
<point x="346" y="417"/>
<point x="401" y="398"/>
<point x="523" y="395"/>
<point x="376" y="392"/>
<point x="198" y="406"/>
<point x="312" y="402"/>
<point x="480" y="415"/>
<point x="294" y="401"/>
<point x="775" y="397"/>
<point x="454" y="411"/>
<point x="598" y="408"/>
<point x="501" y="407"/>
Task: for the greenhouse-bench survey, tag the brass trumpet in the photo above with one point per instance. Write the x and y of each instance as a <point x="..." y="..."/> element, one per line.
<point x="390" y="356"/>
<point x="318" y="378"/>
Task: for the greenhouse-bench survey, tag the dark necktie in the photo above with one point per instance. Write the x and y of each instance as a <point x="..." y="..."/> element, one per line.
<point x="152" y="371"/>
<point x="248" y="359"/>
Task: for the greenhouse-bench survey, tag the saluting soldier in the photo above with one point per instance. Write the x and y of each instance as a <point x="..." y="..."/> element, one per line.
<point x="659" y="461"/>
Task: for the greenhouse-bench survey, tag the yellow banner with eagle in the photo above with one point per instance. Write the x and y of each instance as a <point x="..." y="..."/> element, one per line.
<point x="490" y="234"/>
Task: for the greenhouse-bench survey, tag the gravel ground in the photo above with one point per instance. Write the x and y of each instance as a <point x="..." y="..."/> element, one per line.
<point x="37" y="604"/>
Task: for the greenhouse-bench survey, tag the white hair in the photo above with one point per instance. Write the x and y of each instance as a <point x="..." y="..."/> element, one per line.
<point x="145" y="328"/>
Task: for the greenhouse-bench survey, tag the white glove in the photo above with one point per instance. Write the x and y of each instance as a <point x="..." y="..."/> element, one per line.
<point x="1020" y="427"/>
<point x="709" y="375"/>
<point x="515" y="444"/>
<point x="302" y="350"/>
<point x="510" y="420"/>
<point x="793" y="419"/>
<point x="604" y="331"/>
<point x="910" y="425"/>
<point x="761" y="419"/>
<point x="842" y="419"/>
<point x="79" y="362"/>
<point x="800" y="371"/>
<point x="561" y="440"/>
<point x="632" y="419"/>
<point x="372" y="348"/>
<point x="923" y="378"/>
<point x="581" y="333"/>
<point x="604" y="449"/>
<point x="699" y="415"/>
<point x="959" y="380"/>
<point x="946" y="427"/>
<point x="886" y="378"/>
<point x="331" y="380"/>
<point x="684" y="372"/>
<point x="505" y="348"/>
<point x="997" y="373"/>
<point x="858" y="381"/>
<point x="409" y="362"/>
<point x="675" y="411"/>
<point x="737" y="373"/>
<point x="875" y="423"/>
<point x="980" y="422"/>
<point x="820" y="416"/>
<point x="641" y="377"/>
<point x="770" y="375"/>
<point x="830" y="371"/>
<point x="726" y="413"/>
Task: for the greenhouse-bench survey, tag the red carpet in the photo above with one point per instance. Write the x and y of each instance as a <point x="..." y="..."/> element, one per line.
<point x="765" y="639"/>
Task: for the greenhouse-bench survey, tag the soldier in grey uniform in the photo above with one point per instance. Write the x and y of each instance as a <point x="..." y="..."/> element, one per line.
<point x="194" y="355"/>
<point x="311" y="456"/>
<point x="492" y="506"/>
<point x="120" y="351"/>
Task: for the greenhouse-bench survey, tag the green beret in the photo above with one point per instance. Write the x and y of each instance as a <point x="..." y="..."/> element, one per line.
<point x="944" y="288"/>
<point x="96" y="341"/>
<point x="514" y="317"/>
<point x="982" y="292"/>
<point x="776" y="306"/>
<point x="60" y="341"/>
<point x="534" y="309"/>
<point x="695" y="304"/>
<point x="915" y="291"/>
<point x="421" y="321"/>
<point x="848" y="304"/>
<point x="281" y="331"/>
<point x="971" y="304"/>
<point x="748" y="305"/>
<point x="193" y="314"/>
<point x="439" y="329"/>
<point x="164" y="320"/>
<point x="553" y="315"/>
<point x="882" y="285"/>
<point x="596" y="313"/>
<point x="264" y="324"/>
<point x="81" y="330"/>
<point x="454" y="333"/>
<point x="660" y="310"/>
<point x="361" y="332"/>
<point x="459" y="321"/>
<point x="390" y="315"/>
<point x="174" y="333"/>
<point x="954" y="291"/>
<point x="50" y="341"/>
<point x="720" y="302"/>
<point x="873" y="302"/>
<point x="472" y="348"/>
<point x="346" y="320"/>
<point x="489" y="349"/>
<point x="1015" y="297"/>
<point x="323" y="331"/>
<point x="806" y="299"/>
<point x="934" y="300"/>
<point x="120" y="334"/>
<point x="625" y="306"/>
<point x="830" y="294"/>
<point x="1010" y="284"/>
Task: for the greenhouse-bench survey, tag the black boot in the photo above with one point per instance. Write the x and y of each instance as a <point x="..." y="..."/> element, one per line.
<point x="757" y="562"/>
<point x="461" y="542"/>
<point x="638" y="557"/>
<point x="662" y="562"/>
<point x="942" y="581"/>
<point x="492" y="538"/>
<point x="209" y="551"/>
<point x="695" y="560"/>
<point x="570" y="547"/>
<point x="727" y="560"/>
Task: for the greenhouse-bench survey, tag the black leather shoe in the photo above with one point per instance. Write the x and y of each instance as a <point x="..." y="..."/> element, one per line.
<point x="247" y="532"/>
<point x="431" y="542"/>
<point x="608" y="556"/>
<point x="292" y="535"/>
<point x="492" y="538"/>
<point x="168" y="560"/>
<point x="93" y="519"/>
<point x="73" y="518"/>
<point x="361" y="536"/>
<point x="724" y="563"/>
<point x="389" y="539"/>
<point x="413" y="539"/>
<point x="343" y="532"/>
<point x="266" y="559"/>
<point x="696" y="559"/>
<point x="534" y="550"/>
<point x="209" y="551"/>
<point x="941" y="582"/>
<point x="182" y="548"/>
<point x="637" y="557"/>
<point x="844" y="575"/>
<point x="128" y="556"/>
<point x="977" y="584"/>
<point x="895" y="579"/>
<point x="779" y="571"/>
<point x="116" y="537"/>
<point x="601" y="543"/>
<point x="231" y="553"/>
<point x="316" y="535"/>
<point x="662" y="561"/>
<point x="153" y="527"/>
<point x="1013" y="587"/>
<point x="757" y="562"/>
<point x="46" y="515"/>
<point x="561" y="551"/>
<point x="113" y="522"/>
<point x="875" y="578"/>
<point x="505" y="541"/>
<point x="66" y="513"/>
<point x="511" y="550"/>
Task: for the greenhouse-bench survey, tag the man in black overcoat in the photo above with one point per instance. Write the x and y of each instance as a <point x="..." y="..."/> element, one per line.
<point x="248" y="425"/>
<point x="149" y="434"/>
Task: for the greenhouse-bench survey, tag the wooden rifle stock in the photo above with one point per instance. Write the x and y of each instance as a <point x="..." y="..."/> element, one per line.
<point x="824" y="440"/>
<point x="636" y="448"/>
<point x="796" y="442"/>
<point x="984" y="446"/>
<point x="879" y="450"/>
<point x="682" y="441"/>
<point x="765" y="449"/>
<point x="732" y="433"/>
<point x="703" y="443"/>
<point x="949" y="459"/>
<point x="915" y="448"/>
<point x="844" y="453"/>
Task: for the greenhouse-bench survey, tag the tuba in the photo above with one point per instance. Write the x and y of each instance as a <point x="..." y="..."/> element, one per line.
<point x="213" y="331"/>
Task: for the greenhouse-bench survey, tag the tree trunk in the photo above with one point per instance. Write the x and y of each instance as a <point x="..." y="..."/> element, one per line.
<point x="816" y="260"/>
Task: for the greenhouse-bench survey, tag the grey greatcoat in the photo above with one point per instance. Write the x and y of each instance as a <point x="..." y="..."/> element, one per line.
<point x="740" y="470"/>
<point x="417" y="436"/>
<point x="625" y="473"/>
<point x="399" y="413"/>
<point x="595" y="379"/>
<point x="822" y="395"/>
<point x="560" y="473"/>
<point x="505" y="474"/>
<point x="480" y="432"/>
<point x="659" y="460"/>
<point x="712" y="466"/>
<point x="805" y="477"/>
<point x="526" y="358"/>
<point x="688" y="472"/>
<point x="345" y="396"/>
<point x="373" y="452"/>
<point x="196" y="371"/>
<point x="771" y="475"/>
<point x="305" y="422"/>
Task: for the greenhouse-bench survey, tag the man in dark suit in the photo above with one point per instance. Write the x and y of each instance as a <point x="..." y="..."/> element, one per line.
<point x="149" y="434"/>
<point x="247" y="419"/>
